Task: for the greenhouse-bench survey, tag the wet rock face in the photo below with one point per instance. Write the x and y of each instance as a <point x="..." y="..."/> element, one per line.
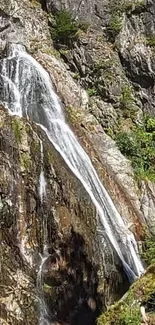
<point x="76" y="283"/>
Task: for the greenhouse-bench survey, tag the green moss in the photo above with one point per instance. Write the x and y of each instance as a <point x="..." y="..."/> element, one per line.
<point x="47" y="289"/>
<point x="17" y="129"/>
<point x="64" y="51"/>
<point x="139" y="146"/>
<point x="25" y="161"/>
<point x="36" y="147"/>
<point x="127" y="311"/>
<point x="129" y="315"/>
<point x="75" y="116"/>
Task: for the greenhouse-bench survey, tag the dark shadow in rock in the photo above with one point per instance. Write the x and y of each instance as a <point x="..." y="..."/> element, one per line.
<point x="71" y="283"/>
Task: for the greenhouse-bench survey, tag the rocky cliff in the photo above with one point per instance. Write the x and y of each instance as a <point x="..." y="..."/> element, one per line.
<point x="103" y="73"/>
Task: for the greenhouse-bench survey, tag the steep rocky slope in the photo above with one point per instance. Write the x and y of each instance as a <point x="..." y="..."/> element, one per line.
<point x="105" y="80"/>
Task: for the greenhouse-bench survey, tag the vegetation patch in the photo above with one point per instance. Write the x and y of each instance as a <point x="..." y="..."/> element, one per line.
<point x="114" y="26"/>
<point x="64" y="28"/>
<point x="138" y="145"/>
<point x="25" y="160"/>
<point x="91" y="91"/>
<point x="17" y="129"/>
<point x="148" y="254"/>
<point x="127" y="310"/>
<point x="150" y="40"/>
<point x="127" y="6"/>
<point x="136" y="6"/>
<point x="126" y="98"/>
<point x="117" y="9"/>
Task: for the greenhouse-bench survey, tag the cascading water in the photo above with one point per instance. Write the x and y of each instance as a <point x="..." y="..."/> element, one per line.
<point x="43" y="311"/>
<point x="27" y="91"/>
<point x="42" y="182"/>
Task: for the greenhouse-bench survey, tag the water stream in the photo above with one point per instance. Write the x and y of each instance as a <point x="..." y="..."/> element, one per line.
<point x="42" y="181"/>
<point x="26" y="90"/>
<point x="44" y="318"/>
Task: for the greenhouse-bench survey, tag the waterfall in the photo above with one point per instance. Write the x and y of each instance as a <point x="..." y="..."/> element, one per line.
<point x="26" y="90"/>
<point x="43" y="311"/>
<point x="42" y="182"/>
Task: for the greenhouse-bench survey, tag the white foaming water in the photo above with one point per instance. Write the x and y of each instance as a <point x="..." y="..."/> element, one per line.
<point x="43" y="312"/>
<point x="42" y="182"/>
<point x="39" y="102"/>
<point x="42" y="185"/>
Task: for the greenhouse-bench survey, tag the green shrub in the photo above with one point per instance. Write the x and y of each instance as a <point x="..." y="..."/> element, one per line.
<point x="126" y="97"/>
<point x="64" y="28"/>
<point x="148" y="254"/>
<point x="127" y="105"/>
<point x="114" y="26"/>
<point x="139" y="146"/>
<point x="149" y="124"/>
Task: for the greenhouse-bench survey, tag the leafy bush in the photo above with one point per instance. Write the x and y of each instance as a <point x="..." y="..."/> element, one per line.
<point x="114" y="26"/>
<point x="148" y="254"/>
<point x="64" y="28"/>
<point x="126" y="98"/>
<point x="139" y="146"/>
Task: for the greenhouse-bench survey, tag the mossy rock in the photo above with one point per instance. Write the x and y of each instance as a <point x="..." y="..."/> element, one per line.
<point x="127" y="310"/>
